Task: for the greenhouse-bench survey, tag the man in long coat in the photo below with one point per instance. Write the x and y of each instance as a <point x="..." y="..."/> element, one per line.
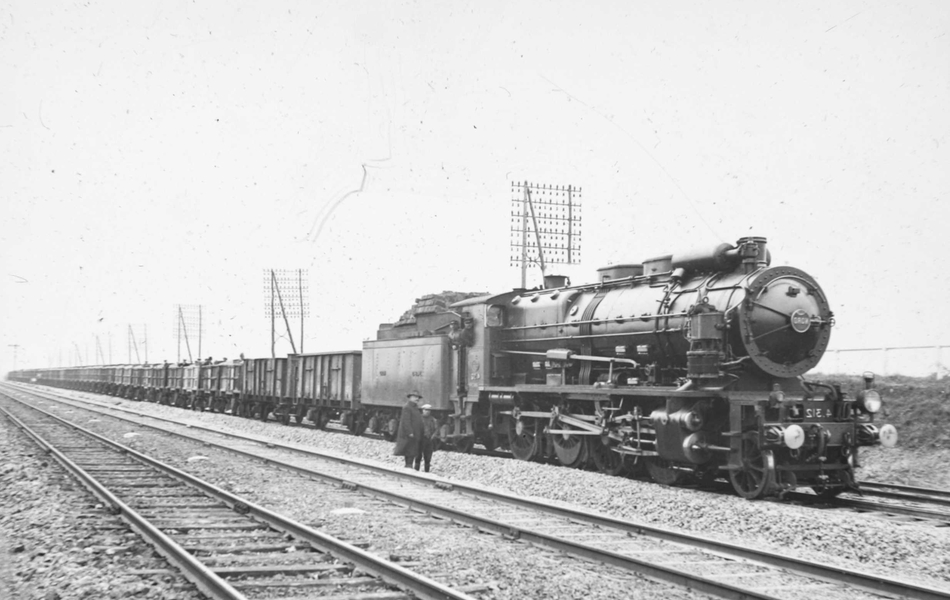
<point x="409" y="434"/>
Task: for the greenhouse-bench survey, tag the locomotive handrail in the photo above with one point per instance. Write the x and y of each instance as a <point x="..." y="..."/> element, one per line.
<point x="595" y="321"/>
<point x="572" y="356"/>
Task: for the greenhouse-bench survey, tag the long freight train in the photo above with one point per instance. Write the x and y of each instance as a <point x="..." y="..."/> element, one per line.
<point x="688" y="365"/>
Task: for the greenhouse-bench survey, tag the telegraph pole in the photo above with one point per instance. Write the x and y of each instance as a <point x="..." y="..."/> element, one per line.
<point x="188" y="318"/>
<point x="545" y="226"/>
<point x="280" y="299"/>
<point x="15" y="348"/>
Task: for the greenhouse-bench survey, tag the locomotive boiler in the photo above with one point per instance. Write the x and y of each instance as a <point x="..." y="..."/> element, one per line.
<point x="689" y="365"/>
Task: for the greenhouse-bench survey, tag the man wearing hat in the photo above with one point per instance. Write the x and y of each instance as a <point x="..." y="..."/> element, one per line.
<point x="430" y="428"/>
<point x="409" y="434"/>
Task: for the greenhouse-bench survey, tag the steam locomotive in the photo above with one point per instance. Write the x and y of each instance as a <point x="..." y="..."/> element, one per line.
<point x="689" y="366"/>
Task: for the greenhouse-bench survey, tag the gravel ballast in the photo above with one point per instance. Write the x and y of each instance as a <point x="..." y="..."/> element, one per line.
<point x="57" y="542"/>
<point x="453" y="555"/>
<point x="912" y="551"/>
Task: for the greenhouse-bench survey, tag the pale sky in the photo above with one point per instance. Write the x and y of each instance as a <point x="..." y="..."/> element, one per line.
<point x="162" y="153"/>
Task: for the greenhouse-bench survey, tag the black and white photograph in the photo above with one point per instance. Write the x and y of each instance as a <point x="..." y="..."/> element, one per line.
<point x="460" y="300"/>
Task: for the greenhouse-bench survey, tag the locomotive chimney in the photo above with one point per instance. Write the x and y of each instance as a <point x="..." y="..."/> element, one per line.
<point x="754" y="252"/>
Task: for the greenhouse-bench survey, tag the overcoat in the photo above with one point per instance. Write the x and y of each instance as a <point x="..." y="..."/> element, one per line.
<point x="410" y="422"/>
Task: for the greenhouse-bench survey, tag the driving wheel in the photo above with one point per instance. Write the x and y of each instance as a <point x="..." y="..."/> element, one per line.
<point x="571" y="450"/>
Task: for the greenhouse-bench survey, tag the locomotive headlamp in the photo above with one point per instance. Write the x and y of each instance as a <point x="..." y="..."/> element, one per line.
<point x="794" y="436"/>
<point x="869" y="401"/>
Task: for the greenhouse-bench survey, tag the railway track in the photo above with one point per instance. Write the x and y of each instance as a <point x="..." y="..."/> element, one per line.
<point x="909" y="504"/>
<point x="895" y="502"/>
<point x="922" y="505"/>
<point x="695" y="562"/>
<point x="905" y="492"/>
<point x="226" y="546"/>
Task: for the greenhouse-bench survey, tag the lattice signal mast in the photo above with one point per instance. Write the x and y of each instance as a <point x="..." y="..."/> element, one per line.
<point x="545" y="226"/>
<point x="189" y="324"/>
<point x="285" y="294"/>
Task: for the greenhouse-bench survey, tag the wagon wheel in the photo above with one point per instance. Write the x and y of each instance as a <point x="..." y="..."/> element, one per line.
<point x="358" y="423"/>
<point x="523" y="439"/>
<point x="284" y="417"/>
<point x="318" y="418"/>
<point x="298" y="416"/>
<point x="373" y="424"/>
<point x="324" y="418"/>
<point x="756" y="476"/>
<point x="662" y="471"/>
<point x="606" y="460"/>
<point x="571" y="450"/>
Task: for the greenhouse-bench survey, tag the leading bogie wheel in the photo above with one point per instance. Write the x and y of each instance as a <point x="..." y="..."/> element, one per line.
<point x="606" y="460"/>
<point x="755" y="477"/>
<point x="663" y="472"/>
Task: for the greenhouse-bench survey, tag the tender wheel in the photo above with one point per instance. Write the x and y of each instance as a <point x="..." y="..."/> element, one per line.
<point x="662" y="471"/>
<point x="523" y="439"/>
<point x="606" y="460"/>
<point x="318" y="418"/>
<point x="756" y="477"/>
<point x="571" y="450"/>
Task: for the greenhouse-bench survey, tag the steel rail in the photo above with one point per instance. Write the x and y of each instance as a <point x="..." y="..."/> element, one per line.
<point x="392" y="573"/>
<point x="895" y="509"/>
<point x="192" y="569"/>
<point x="906" y="492"/>
<point x="868" y="581"/>
<point x="664" y="573"/>
<point x="871" y="506"/>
